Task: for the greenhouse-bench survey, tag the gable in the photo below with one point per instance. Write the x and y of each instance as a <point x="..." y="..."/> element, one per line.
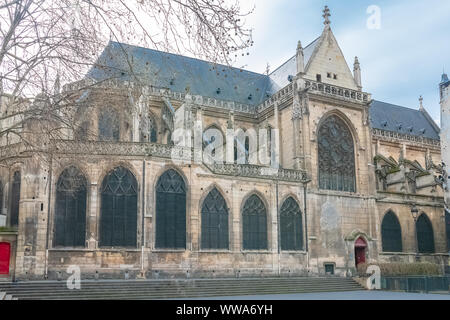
<point x="328" y="58"/>
<point x="280" y="76"/>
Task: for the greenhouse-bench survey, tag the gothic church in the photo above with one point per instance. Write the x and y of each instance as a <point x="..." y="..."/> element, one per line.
<point x="356" y="182"/>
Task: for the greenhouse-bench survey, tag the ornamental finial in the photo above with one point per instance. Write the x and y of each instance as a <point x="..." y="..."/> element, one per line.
<point x="326" y="16"/>
<point x="421" y="103"/>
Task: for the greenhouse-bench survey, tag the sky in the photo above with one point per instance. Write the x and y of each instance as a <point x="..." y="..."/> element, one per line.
<point x="401" y="60"/>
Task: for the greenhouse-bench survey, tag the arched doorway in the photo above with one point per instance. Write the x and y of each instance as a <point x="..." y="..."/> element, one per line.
<point x="360" y="251"/>
<point x="5" y="253"/>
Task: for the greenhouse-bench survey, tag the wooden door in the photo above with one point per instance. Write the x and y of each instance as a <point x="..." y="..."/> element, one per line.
<point x="360" y="251"/>
<point x="5" y="252"/>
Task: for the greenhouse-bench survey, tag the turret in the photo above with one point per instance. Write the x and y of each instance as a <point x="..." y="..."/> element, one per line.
<point x="357" y="73"/>
<point x="300" y="59"/>
<point x="445" y="82"/>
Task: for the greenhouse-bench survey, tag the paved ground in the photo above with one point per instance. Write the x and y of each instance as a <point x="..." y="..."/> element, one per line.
<point x="352" y="295"/>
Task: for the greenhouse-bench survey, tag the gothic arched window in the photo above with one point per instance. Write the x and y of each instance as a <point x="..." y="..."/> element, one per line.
<point x="254" y="224"/>
<point x="1" y="197"/>
<point x="118" y="217"/>
<point x="447" y="228"/>
<point x="214" y="221"/>
<point x="391" y="233"/>
<point x="425" y="237"/>
<point x="336" y="156"/>
<point x="170" y="211"/>
<point x="81" y="132"/>
<point x="149" y="131"/>
<point x="242" y="151"/>
<point x="108" y="125"/>
<point x="291" y="225"/>
<point x="70" y="212"/>
<point x="15" y="199"/>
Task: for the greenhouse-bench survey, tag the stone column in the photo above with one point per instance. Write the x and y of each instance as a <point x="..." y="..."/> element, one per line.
<point x="297" y="115"/>
<point x="92" y="236"/>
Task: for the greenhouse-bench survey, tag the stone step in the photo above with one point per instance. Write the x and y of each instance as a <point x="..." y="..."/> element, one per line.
<point x="168" y="284"/>
<point x="178" y="289"/>
<point x="156" y="296"/>
<point x="168" y="289"/>
<point x="174" y="287"/>
<point x="178" y="282"/>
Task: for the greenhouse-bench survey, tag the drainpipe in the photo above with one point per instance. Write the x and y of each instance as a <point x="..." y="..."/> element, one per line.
<point x="143" y="217"/>
<point x="278" y="230"/>
<point x="305" y="185"/>
<point x="50" y="174"/>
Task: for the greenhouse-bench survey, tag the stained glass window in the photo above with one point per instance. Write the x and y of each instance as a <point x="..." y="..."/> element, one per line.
<point x="214" y="221"/>
<point x="171" y="211"/>
<point x="15" y="199"/>
<point x="118" y="217"/>
<point x="425" y="237"/>
<point x="1" y="197"/>
<point x="149" y="131"/>
<point x="254" y="224"/>
<point x="70" y="211"/>
<point x="291" y="226"/>
<point x="447" y="228"/>
<point x="108" y="125"/>
<point x="391" y="233"/>
<point x="81" y="133"/>
<point x="336" y="156"/>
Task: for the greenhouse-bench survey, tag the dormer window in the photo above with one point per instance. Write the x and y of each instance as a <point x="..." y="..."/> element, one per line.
<point x="319" y="78"/>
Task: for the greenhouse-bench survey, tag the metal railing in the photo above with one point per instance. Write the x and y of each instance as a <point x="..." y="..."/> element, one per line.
<point x="416" y="283"/>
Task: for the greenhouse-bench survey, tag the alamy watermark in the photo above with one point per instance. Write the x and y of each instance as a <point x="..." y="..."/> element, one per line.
<point x="374" y="20"/>
<point x="212" y="146"/>
<point x="374" y="281"/>
<point x="74" y="280"/>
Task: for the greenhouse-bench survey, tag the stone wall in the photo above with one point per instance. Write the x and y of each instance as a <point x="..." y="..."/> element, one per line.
<point x="335" y="220"/>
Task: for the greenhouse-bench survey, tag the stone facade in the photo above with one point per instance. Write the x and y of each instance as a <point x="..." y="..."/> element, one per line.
<point x="393" y="172"/>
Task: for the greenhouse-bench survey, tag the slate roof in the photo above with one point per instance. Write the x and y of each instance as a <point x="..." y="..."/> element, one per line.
<point x="180" y="73"/>
<point x="390" y="117"/>
<point x="166" y="70"/>
<point x="289" y="68"/>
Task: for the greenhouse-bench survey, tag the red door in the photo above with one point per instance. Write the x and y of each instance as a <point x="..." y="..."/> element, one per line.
<point x="360" y="251"/>
<point x="4" y="258"/>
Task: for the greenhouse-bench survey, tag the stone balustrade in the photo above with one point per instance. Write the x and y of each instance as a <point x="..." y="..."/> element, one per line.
<point x="386" y="135"/>
<point x="337" y="92"/>
<point x="177" y="153"/>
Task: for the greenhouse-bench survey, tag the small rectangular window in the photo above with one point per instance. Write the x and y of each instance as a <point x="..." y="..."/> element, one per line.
<point x="319" y="77"/>
<point x="328" y="75"/>
<point x="335" y="76"/>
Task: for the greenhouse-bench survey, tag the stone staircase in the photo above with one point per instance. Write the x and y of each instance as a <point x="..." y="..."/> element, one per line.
<point x="4" y="297"/>
<point x="172" y="289"/>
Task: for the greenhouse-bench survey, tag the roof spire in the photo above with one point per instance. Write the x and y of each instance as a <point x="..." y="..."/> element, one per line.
<point x="326" y="16"/>
<point x="421" y="108"/>
<point x="357" y="73"/>
<point x="300" y="59"/>
<point x="444" y="78"/>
